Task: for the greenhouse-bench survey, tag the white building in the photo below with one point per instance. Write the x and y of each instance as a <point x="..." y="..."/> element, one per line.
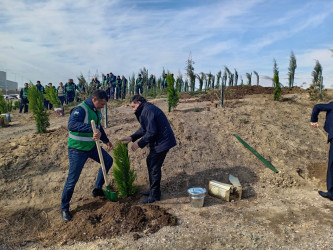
<point x="7" y="84"/>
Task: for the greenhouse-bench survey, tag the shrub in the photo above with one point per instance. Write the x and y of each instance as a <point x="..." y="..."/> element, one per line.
<point x="3" y="104"/>
<point x="123" y="175"/>
<point x="16" y="105"/>
<point x="36" y="104"/>
<point x="52" y="96"/>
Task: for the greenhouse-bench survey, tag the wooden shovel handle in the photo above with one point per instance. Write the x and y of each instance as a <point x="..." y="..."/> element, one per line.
<point x="322" y="132"/>
<point x="101" y="159"/>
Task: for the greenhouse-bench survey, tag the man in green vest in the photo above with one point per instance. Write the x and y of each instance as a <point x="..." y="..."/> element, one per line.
<point x="70" y="88"/>
<point x="24" y="98"/>
<point x="81" y="146"/>
<point x="139" y="85"/>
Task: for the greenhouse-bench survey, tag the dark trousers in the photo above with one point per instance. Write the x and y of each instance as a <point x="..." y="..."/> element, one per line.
<point x="24" y="103"/>
<point x="77" y="159"/>
<point x="123" y="93"/>
<point x="112" y="90"/>
<point x="329" y="178"/>
<point x="62" y="99"/>
<point x="118" y="92"/>
<point x="154" y="165"/>
<point x="139" y="90"/>
<point x="70" y="97"/>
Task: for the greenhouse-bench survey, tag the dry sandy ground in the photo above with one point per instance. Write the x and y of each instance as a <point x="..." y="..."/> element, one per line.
<point x="277" y="210"/>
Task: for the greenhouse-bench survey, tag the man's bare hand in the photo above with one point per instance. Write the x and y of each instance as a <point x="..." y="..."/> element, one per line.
<point x="135" y="146"/>
<point x="109" y="146"/>
<point x="97" y="135"/>
<point x="315" y="124"/>
<point x="126" y="139"/>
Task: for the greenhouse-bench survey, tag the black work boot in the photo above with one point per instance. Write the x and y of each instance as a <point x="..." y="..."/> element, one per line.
<point x="98" y="192"/>
<point x="145" y="193"/>
<point x="66" y="215"/>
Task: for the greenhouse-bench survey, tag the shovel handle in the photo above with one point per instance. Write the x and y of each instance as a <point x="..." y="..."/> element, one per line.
<point x="322" y="132"/>
<point x="101" y="159"/>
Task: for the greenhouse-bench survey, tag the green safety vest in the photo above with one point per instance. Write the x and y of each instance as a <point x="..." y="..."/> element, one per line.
<point x="123" y="83"/>
<point x="84" y="141"/>
<point x="25" y="93"/>
<point x="70" y="87"/>
<point x="139" y="81"/>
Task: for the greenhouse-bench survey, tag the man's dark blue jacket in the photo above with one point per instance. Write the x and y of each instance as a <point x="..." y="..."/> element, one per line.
<point x="329" y="117"/>
<point x="76" y="121"/>
<point x="155" y="129"/>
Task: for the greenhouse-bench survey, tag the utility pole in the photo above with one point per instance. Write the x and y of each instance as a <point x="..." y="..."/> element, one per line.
<point x="106" y="115"/>
<point x="321" y="88"/>
<point x="222" y="94"/>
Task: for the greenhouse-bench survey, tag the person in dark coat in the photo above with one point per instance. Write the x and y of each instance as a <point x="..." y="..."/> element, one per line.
<point x="123" y="87"/>
<point x="151" y="82"/>
<point x="118" y="88"/>
<point x="156" y="132"/>
<point x="328" y="108"/>
<point x="112" y="80"/>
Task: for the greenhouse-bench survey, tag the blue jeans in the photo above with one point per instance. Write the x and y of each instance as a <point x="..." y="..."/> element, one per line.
<point x="77" y="159"/>
<point x="62" y="99"/>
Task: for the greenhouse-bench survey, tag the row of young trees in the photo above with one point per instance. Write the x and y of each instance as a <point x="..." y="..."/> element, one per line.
<point x="229" y="77"/>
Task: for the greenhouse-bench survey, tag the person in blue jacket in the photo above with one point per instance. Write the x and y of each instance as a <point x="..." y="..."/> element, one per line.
<point x="156" y="132"/>
<point x="328" y="108"/>
<point x="81" y="146"/>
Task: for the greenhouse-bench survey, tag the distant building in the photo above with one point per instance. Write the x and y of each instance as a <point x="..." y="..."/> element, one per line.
<point x="7" y="84"/>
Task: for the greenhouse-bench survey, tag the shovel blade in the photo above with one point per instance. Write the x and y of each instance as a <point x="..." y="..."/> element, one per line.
<point x="110" y="195"/>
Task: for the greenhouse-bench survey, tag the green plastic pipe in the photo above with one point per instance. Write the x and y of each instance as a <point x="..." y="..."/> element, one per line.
<point x="267" y="163"/>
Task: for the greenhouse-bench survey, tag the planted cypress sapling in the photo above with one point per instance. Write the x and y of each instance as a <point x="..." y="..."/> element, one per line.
<point x="36" y="104"/>
<point x="173" y="93"/>
<point x="123" y="175"/>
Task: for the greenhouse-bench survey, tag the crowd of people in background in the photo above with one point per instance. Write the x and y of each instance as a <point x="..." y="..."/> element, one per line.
<point x="116" y="87"/>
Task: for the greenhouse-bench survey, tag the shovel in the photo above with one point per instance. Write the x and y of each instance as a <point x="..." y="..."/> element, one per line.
<point x="112" y="196"/>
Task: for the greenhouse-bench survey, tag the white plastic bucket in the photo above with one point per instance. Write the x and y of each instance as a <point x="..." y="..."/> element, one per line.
<point x="197" y="196"/>
<point x="59" y="111"/>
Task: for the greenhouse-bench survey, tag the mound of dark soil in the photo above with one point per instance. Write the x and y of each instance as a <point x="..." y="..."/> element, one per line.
<point x="94" y="219"/>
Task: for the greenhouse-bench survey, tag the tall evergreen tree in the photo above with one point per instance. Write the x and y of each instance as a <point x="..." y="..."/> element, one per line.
<point x="190" y="72"/>
<point x="236" y="77"/>
<point x="173" y="94"/>
<point x="277" y="89"/>
<point x="316" y="89"/>
<point x="257" y="75"/>
<point x="292" y="69"/>
<point x="249" y="77"/>
<point x="317" y="72"/>
<point x="218" y="78"/>
<point x="224" y="78"/>
<point x="229" y="74"/>
<point x="201" y="79"/>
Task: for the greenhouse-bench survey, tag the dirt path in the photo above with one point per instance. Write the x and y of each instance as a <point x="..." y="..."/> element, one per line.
<point x="280" y="210"/>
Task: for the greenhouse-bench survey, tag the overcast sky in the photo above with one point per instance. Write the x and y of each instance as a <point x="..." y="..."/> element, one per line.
<point x="53" y="40"/>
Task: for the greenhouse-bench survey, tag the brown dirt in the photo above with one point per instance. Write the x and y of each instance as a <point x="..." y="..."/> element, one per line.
<point x="280" y="210"/>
